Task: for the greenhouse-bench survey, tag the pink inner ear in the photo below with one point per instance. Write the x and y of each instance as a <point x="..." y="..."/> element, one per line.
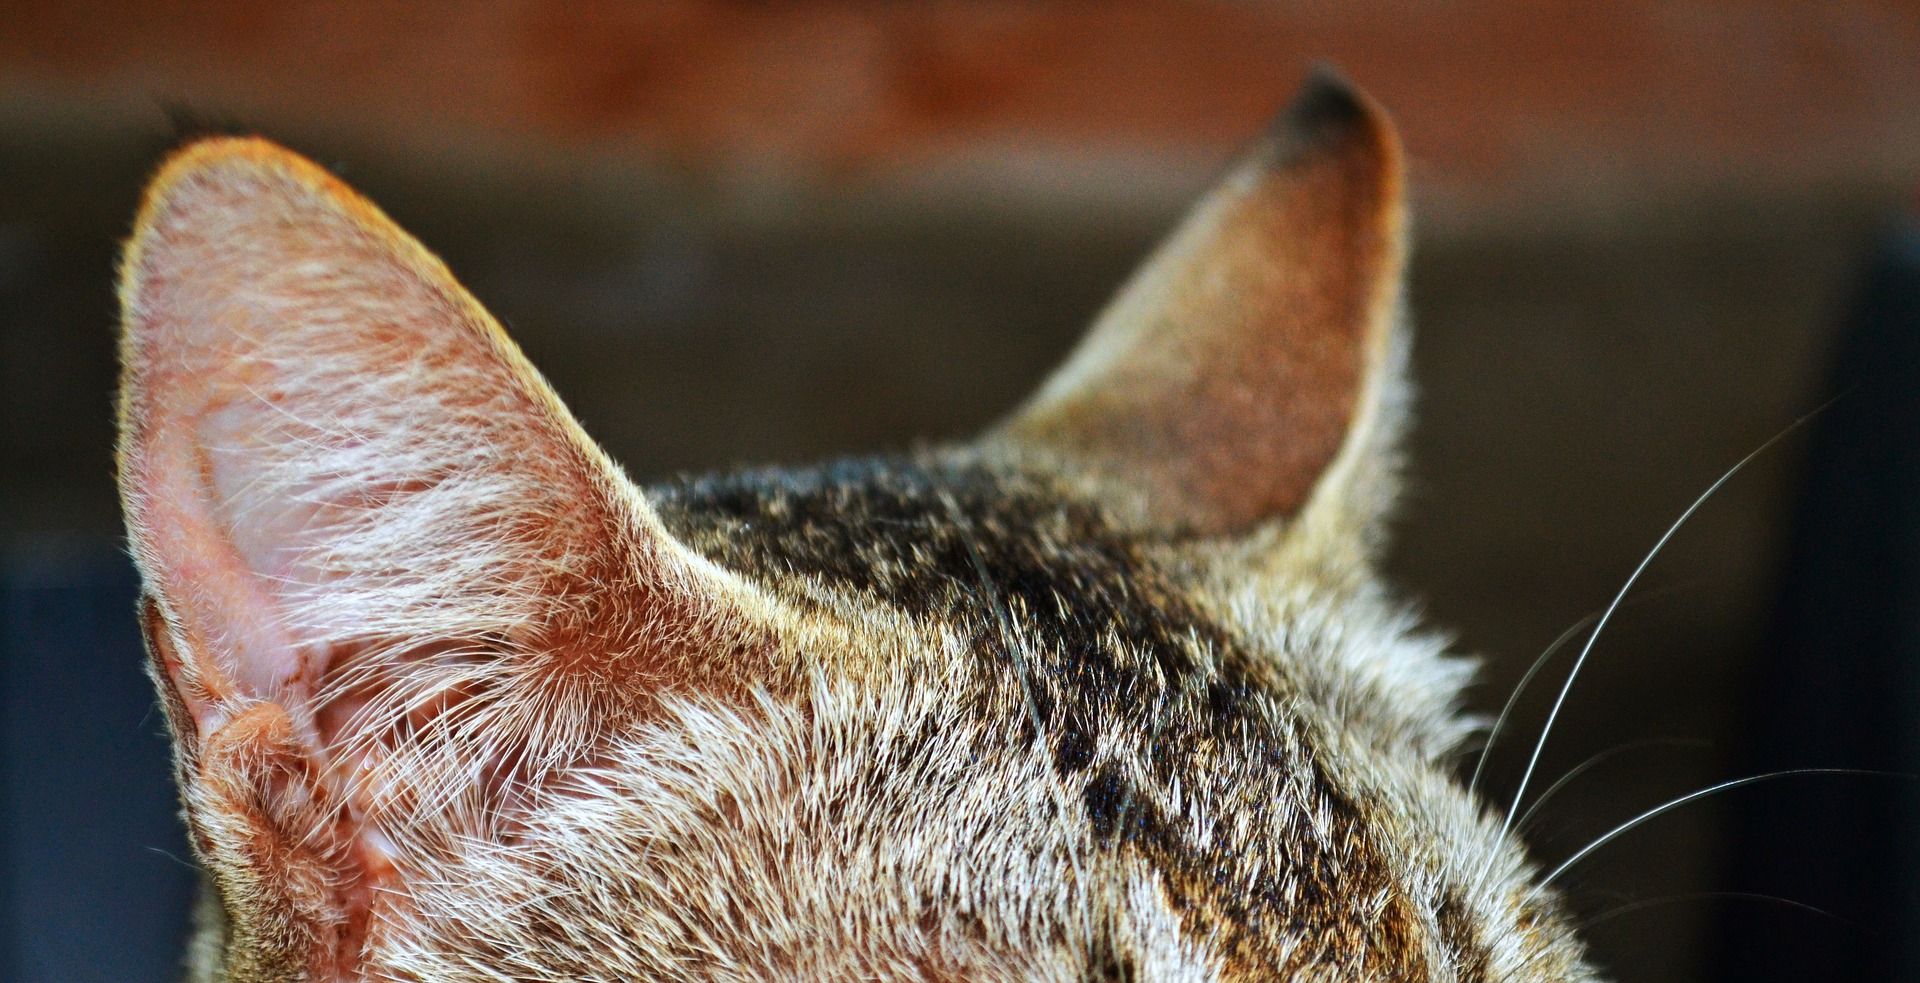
<point x="333" y="462"/>
<point x="264" y="532"/>
<point x="365" y="519"/>
<point x="243" y="645"/>
<point x="264" y="535"/>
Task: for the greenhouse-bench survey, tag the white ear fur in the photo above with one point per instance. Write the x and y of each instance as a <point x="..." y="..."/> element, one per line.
<point x="390" y="583"/>
<point x="351" y="497"/>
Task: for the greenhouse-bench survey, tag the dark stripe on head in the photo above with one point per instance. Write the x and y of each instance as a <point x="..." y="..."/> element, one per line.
<point x="1116" y="652"/>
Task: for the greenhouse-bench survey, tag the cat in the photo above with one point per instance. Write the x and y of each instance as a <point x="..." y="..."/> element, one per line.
<point x="1111" y="693"/>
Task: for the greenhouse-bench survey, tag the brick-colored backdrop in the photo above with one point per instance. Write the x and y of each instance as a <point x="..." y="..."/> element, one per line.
<point x="1498" y="97"/>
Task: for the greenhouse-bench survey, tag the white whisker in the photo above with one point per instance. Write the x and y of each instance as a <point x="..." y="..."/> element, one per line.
<point x="1584" y="766"/>
<point x="1520" y="688"/>
<point x="1672" y="804"/>
<point x="1553" y="715"/>
<point x="1513" y="698"/>
<point x="1627" y="909"/>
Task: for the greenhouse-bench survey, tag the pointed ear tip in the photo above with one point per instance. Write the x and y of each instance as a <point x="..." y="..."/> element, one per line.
<point x="213" y="153"/>
<point x="185" y="191"/>
<point x="197" y="185"/>
<point x="210" y="158"/>
<point x="1331" y="114"/>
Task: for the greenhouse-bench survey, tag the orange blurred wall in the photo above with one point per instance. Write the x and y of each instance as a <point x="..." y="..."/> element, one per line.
<point x="1497" y="97"/>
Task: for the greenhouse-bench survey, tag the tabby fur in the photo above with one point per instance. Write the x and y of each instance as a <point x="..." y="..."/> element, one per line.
<point x="1112" y="693"/>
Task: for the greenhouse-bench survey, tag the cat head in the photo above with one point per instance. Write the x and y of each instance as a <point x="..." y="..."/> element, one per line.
<point x="1109" y="693"/>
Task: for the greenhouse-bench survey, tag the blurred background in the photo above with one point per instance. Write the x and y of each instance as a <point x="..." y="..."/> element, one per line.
<point x="1650" y="236"/>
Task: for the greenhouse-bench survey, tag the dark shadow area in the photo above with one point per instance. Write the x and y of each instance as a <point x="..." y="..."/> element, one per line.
<point x="1837" y="683"/>
<point x="99" y="880"/>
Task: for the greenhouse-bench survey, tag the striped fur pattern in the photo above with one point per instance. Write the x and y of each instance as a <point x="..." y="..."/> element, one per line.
<point x="1110" y="694"/>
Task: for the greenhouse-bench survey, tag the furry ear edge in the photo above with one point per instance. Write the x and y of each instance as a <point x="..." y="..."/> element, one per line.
<point x="1224" y="384"/>
<point x="388" y="581"/>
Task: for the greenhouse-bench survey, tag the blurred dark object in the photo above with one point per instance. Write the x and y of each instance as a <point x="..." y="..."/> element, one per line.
<point x="98" y="880"/>
<point x="1838" y="684"/>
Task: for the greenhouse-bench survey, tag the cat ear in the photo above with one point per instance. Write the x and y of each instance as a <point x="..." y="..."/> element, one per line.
<point x="1221" y="386"/>
<point x="368" y="531"/>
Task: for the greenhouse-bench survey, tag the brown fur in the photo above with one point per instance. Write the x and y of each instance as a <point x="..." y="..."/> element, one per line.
<point x="1110" y="695"/>
<point x="1269" y="306"/>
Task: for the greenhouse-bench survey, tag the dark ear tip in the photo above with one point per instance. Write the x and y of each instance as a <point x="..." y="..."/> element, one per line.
<point x="1328" y="113"/>
<point x="190" y="124"/>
